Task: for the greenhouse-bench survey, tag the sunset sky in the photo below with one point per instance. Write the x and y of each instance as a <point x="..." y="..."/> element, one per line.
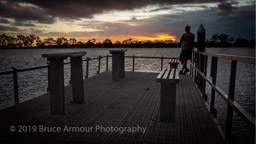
<point x="123" y="19"/>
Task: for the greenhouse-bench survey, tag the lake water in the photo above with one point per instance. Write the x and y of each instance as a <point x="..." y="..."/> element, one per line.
<point x="34" y="83"/>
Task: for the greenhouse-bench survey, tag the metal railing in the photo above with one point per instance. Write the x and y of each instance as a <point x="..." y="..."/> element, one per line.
<point x="15" y="70"/>
<point x="199" y="75"/>
<point x="149" y="57"/>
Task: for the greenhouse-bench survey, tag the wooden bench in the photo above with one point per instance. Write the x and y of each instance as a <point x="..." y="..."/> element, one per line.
<point x="173" y="63"/>
<point x="168" y="78"/>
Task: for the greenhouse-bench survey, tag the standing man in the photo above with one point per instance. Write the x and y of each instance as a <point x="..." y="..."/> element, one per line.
<point x="187" y="46"/>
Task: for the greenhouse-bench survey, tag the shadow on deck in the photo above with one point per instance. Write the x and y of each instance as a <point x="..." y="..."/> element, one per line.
<point x="131" y="103"/>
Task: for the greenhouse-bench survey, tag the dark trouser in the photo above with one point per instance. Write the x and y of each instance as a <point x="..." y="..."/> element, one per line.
<point x="184" y="56"/>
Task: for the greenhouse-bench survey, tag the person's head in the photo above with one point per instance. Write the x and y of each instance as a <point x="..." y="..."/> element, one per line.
<point x="187" y="29"/>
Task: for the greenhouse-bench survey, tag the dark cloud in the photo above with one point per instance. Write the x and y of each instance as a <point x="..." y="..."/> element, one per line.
<point x="7" y="28"/>
<point x="21" y="12"/>
<point x="79" y="8"/>
<point x="4" y="21"/>
<point x="225" y="6"/>
<point x="227" y="9"/>
<point x="233" y="25"/>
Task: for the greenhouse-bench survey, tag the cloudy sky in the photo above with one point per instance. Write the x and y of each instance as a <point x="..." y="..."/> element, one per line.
<point x="123" y="19"/>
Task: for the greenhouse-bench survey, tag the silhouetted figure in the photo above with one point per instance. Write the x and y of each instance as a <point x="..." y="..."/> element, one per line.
<point x="187" y="46"/>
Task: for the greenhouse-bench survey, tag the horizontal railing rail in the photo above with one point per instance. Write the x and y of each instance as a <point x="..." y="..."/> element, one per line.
<point x="245" y="59"/>
<point x="152" y="57"/>
<point x="199" y="75"/>
<point x="6" y="72"/>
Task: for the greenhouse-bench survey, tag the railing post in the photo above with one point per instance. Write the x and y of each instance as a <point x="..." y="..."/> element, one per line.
<point x="48" y="68"/>
<point x="213" y="74"/>
<point x="87" y="67"/>
<point x="191" y="68"/>
<point x="162" y="58"/>
<point x="204" y="81"/>
<point x="195" y="64"/>
<point x="232" y="81"/>
<point x="199" y="67"/>
<point x="99" y="65"/>
<point x="15" y="83"/>
<point x="133" y="60"/>
<point x="107" y="63"/>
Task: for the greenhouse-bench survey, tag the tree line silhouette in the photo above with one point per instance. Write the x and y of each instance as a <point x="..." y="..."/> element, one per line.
<point x="33" y="41"/>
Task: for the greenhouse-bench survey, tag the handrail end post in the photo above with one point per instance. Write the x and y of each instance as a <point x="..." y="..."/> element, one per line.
<point x="15" y="85"/>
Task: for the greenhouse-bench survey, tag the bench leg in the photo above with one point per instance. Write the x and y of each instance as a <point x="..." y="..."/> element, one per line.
<point x="77" y="79"/>
<point x="115" y="67"/>
<point x="175" y="66"/>
<point x="56" y="82"/>
<point x="168" y="102"/>
<point x="122" y="66"/>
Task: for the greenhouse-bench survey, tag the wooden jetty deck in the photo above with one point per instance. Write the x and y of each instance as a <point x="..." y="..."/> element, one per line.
<point x="132" y="102"/>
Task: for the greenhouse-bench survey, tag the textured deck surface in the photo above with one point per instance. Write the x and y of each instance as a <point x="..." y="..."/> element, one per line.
<point x="132" y="102"/>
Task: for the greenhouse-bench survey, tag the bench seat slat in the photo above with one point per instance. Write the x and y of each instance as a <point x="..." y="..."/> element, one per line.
<point x="177" y="75"/>
<point x="167" y="73"/>
<point x="171" y="76"/>
<point x="174" y="61"/>
<point x="161" y="74"/>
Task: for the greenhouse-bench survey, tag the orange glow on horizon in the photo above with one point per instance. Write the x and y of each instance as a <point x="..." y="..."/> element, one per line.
<point x="161" y="36"/>
<point x="158" y="36"/>
<point x="121" y="38"/>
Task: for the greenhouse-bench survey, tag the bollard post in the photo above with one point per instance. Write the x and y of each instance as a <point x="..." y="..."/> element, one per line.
<point x="201" y="48"/>
<point x="15" y="83"/>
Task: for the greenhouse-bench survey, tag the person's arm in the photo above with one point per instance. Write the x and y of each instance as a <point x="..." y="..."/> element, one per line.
<point x="181" y="40"/>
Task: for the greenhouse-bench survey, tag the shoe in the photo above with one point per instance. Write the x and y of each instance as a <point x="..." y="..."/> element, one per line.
<point x="181" y="72"/>
<point x="186" y="71"/>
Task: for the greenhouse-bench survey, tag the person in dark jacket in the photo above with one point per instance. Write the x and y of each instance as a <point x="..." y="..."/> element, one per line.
<point x="187" y="46"/>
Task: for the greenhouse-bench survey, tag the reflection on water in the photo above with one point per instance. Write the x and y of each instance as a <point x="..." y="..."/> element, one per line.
<point x="34" y="83"/>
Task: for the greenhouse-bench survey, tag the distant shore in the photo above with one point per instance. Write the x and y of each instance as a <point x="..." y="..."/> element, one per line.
<point x="104" y="47"/>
